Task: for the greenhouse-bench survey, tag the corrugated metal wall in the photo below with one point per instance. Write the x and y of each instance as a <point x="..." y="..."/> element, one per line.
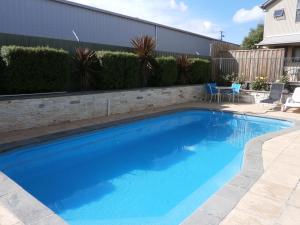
<point x="51" y="19"/>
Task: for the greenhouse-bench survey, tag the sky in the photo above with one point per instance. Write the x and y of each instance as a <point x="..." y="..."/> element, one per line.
<point x="206" y="17"/>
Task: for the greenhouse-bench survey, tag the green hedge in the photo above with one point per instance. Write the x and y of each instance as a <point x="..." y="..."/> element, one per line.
<point x="2" y="81"/>
<point x="38" y="69"/>
<point x="43" y="69"/>
<point x="200" y="70"/>
<point x="166" y="74"/>
<point x="2" y="65"/>
<point x="119" y="70"/>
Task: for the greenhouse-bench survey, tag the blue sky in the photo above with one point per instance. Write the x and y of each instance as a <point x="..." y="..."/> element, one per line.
<point x="207" y="17"/>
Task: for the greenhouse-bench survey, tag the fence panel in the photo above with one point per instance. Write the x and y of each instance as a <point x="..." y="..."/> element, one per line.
<point x="250" y="64"/>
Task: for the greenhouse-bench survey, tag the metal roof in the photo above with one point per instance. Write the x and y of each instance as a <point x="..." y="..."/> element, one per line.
<point x="132" y="18"/>
<point x="267" y="3"/>
<point x="280" y="40"/>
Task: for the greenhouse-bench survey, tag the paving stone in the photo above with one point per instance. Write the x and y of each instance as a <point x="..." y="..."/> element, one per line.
<point x="254" y="148"/>
<point x="291" y="216"/>
<point x="243" y="182"/>
<point x="253" y="163"/>
<point x="239" y="217"/>
<point x="7" y="217"/>
<point x="24" y="207"/>
<point x="294" y="199"/>
<point x="285" y="168"/>
<point x="268" y="158"/>
<point x="260" y="207"/>
<point x="276" y="192"/>
<point x="6" y="185"/>
<point x="291" y="159"/>
<point x="218" y="206"/>
<point x="50" y="220"/>
<point x="232" y="193"/>
<point x="201" y="217"/>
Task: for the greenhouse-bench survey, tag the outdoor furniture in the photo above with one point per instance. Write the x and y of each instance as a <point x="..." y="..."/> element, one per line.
<point x="292" y="102"/>
<point x="275" y="93"/>
<point x="235" y="92"/>
<point x="211" y="91"/>
<point x="220" y="90"/>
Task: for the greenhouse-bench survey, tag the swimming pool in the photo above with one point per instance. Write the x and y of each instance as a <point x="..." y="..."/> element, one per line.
<point x="149" y="172"/>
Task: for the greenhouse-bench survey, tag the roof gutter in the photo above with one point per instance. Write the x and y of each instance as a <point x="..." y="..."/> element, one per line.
<point x="265" y="5"/>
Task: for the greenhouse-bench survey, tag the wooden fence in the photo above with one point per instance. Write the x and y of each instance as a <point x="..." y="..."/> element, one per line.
<point x="250" y="63"/>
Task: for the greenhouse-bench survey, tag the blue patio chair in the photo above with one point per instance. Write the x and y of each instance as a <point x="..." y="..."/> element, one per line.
<point x="235" y="92"/>
<point x="211" y="91"/>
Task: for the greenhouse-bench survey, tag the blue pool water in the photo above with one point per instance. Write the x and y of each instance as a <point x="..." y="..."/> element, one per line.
<point x="155" y="171"/>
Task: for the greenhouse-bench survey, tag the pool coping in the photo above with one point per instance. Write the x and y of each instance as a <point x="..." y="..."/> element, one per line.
<point x="31" y="211"/>
<point x="221" y="203"/>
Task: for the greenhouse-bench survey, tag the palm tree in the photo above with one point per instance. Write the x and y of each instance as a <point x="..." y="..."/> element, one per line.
<point x="144" y="47"/>
<point x="84" y="60"/>
<point x="183" y="65"/>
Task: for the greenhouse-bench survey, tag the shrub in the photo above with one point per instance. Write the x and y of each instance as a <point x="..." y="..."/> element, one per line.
<point x="38" y="69"/>
<point x="119" y="70"/>
<point x="200" y="71"/>
<point x="2" y="81"/>
<point x="226" y="79"/>
<point x="166" y="74"/>
<point x="284" y="78"/>
<point x="260" y="84"/>
<point x="2" y="65"/>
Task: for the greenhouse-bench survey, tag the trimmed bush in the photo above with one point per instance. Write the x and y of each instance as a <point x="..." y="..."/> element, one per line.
<point x="38" y="69"/>
<point x="166" y="74"/>
<point x="119" y="70"/>
<point x="200" y="70"/>
<point x="2" y="81"/>
<point x="2" y="65"/>
<point x="44" y="69"/>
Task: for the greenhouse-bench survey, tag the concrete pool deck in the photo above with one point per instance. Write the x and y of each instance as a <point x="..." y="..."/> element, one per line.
<point x="273" y="199"/>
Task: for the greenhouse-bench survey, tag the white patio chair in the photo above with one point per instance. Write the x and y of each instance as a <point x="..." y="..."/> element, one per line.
<point x="292" y="102"/>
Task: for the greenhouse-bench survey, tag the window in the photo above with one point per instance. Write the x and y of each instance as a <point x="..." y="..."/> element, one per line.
<point x="298" y="12"/>
<point x="279" y="14"/>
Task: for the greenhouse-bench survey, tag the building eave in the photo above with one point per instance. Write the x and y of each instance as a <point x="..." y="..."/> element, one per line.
<point x="267" y="4"/>
<point x="291" y="39"/>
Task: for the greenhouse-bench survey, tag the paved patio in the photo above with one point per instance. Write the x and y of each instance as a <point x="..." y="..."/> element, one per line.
<point x="273" y="200"/>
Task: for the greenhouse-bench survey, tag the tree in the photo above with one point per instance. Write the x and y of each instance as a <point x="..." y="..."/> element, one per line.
<point x="184" y="66"/>
<point x="254" y="37"/>
<point x="84" y="60"/>
<point x="144" y="47"/>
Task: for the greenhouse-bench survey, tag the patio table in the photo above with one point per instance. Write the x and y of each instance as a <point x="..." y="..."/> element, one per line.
<point x="222" y="88"/>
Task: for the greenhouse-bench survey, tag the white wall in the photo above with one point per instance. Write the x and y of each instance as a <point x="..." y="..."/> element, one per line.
<point x="286" y="26"/>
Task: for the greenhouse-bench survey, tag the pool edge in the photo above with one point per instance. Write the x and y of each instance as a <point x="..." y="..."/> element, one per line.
<point x="212" y="212"/>
<point x="221" y="203"/>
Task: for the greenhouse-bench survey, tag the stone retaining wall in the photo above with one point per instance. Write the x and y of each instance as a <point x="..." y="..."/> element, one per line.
<point x="32" y="112"/>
